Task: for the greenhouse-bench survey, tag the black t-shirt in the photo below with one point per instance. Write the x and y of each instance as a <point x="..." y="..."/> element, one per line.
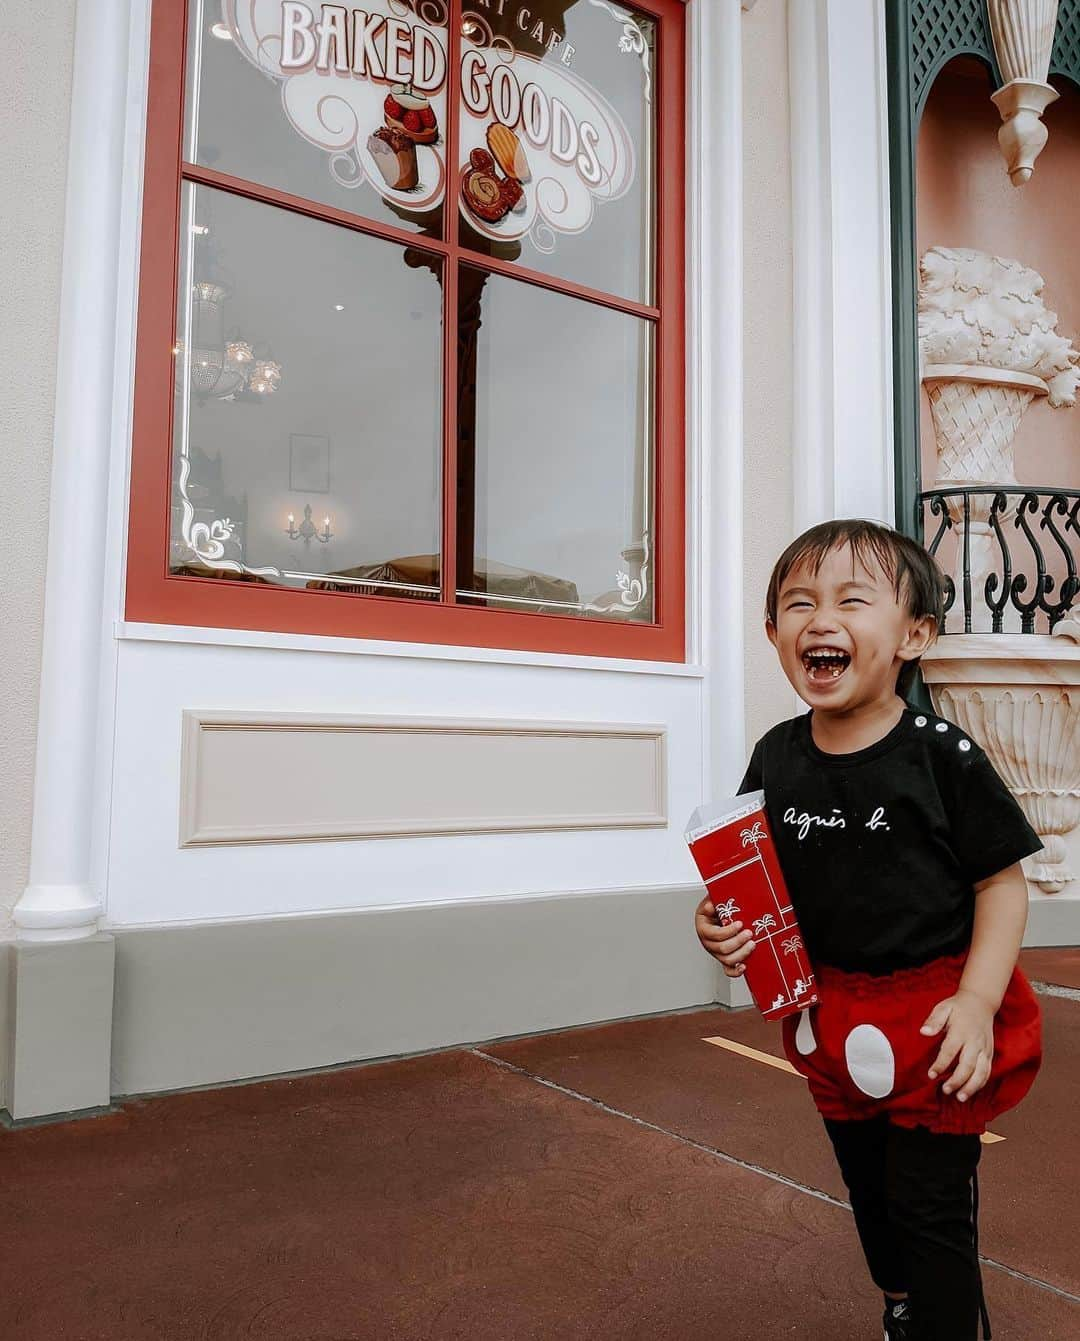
<point x="881" y="848"/>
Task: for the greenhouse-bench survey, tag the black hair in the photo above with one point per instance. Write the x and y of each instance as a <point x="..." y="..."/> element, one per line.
<point x="917" y="580"/>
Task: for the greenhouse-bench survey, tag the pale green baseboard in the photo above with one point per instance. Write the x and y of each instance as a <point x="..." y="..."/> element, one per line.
<point x="210" y="1003"/>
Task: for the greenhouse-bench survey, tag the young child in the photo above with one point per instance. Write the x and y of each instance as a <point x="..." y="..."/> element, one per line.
<point x="900" y="846"/>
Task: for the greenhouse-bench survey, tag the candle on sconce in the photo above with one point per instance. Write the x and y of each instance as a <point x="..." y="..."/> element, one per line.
<point x="307" y="531"/>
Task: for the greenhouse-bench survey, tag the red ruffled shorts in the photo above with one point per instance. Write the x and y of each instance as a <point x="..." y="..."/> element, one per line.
<point x="862" y="1054"/>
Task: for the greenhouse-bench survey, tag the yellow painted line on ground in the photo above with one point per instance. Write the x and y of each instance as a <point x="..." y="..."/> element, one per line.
<point x="782" y="1064"/>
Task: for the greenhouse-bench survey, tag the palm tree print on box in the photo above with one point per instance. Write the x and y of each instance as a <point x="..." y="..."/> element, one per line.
<point x="753" y="837"/>
<point x="767" y="924"/>
<point x="792" y="946"/>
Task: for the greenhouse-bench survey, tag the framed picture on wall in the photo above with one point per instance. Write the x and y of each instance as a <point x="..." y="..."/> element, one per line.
<point x="309" y="464"/>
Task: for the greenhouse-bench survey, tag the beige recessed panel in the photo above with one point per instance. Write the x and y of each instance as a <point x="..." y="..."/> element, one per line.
<point x="271" y="779"/>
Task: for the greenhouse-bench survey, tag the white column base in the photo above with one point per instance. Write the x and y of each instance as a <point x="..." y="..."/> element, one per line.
<point x="57" y="913"/>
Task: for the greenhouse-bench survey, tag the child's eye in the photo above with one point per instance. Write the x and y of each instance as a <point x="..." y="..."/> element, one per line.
<point x="857" y="599"/>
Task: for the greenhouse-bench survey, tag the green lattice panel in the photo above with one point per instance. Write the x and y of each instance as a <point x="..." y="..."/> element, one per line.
<point x="940" y="30"/>
<point x="1065" y="57"/>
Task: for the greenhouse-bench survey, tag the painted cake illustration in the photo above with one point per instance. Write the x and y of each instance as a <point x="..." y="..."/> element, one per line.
<point x="395" y="157"/>
<point x="411" y="113"/>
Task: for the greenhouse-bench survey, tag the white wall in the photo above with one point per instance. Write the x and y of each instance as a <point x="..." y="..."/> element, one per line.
<point x="33" y="168"/>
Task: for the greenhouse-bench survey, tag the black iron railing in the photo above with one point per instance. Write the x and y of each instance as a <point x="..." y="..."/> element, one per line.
<point x="1028" y="539"/>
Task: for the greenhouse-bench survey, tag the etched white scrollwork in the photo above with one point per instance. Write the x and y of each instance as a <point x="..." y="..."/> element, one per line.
<point x="206" y="541"/>
<point x="632" y="40"/>
<point x="632" y="591"/>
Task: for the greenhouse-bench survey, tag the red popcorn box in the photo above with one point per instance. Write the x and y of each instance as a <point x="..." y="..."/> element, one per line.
<point x="732" y="845"/>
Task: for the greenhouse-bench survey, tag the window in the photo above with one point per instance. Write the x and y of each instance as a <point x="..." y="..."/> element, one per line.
<point x="410" y="357"/>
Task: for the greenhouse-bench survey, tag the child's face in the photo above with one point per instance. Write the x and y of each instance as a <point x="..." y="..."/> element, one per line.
<point x="852" y="609"/>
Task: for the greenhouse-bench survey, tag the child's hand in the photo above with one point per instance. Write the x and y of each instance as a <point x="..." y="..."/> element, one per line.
<point x="969" y="1042"/>
<point x="730" y="944"/>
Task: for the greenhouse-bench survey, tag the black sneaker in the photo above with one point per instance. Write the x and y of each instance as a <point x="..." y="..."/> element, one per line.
<point x="897" y="1321"/>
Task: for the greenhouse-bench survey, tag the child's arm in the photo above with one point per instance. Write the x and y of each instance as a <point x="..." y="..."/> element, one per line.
<point x="1001" y="904"/>
<point x="1001" y="911"/>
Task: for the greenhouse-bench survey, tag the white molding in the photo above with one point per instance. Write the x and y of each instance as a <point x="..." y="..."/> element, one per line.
<point x="62" y="900"/>
<point x="715" y="390"/>
<point x="126" y="631"/>
<point x="715" y="375"/>
<point x="345" y="778"/>
<point x="842" y="432"/>
<point x="673" y="890"/>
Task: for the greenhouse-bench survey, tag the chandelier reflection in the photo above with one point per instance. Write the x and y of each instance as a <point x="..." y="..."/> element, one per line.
<point x="307" y="530"/>
<point x="225" y="367"/>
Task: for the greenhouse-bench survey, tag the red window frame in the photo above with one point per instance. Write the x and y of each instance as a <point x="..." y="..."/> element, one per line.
<point x="153" y="595"/>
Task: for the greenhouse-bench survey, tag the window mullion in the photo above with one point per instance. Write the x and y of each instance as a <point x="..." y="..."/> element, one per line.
<point x="449" y="565"/>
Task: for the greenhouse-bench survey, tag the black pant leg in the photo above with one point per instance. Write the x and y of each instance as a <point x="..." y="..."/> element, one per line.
<point x="860" y="1148"/>
<point x="929" y="1188"/>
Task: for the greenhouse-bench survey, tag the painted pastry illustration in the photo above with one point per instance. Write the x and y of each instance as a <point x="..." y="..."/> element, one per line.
<point x="394" y="154"/>
<point x="411" y="113"/>
<point x="487" y="195"/>
<point x="509" y="154"/>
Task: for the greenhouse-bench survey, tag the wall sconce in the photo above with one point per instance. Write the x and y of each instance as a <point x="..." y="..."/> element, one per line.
<point x="1023" y="35"/>
<point x="306" y="531"/>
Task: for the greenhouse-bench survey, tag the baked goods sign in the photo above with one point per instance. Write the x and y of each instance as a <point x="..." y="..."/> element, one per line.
<point x="539" y="147"/>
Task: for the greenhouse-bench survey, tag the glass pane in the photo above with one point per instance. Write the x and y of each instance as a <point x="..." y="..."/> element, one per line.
<point x="308" y="437"/>
<point x="344" y="106"/>
<point x="557" y="140"/>
<point x="554" y="456"/>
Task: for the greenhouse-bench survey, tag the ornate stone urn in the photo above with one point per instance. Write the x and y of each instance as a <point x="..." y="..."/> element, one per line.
<point x="989" y="346"/>
<point x="976" y="411"/>
<point x="1018" y="696"/>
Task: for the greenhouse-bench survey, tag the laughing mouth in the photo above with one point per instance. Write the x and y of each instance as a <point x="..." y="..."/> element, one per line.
<point x="825" y="663"/>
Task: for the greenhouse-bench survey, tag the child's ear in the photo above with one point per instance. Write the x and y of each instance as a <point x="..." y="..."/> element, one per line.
<point x="770" y="631"/>
<point x="920" y="636"/>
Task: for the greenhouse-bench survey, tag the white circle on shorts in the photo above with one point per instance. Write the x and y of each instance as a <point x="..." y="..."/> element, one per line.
<point x="965" y="744"/>
<point x="920" y="721"/>
<point x="870" y="1060"/>
<point x="942" y="726"/>
<point x="805" y="1042"/>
